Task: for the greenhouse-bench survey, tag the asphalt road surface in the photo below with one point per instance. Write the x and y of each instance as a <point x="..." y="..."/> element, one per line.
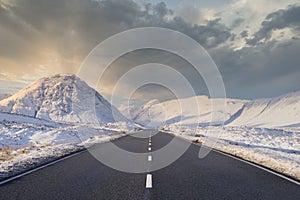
<point x="215" y="177"/>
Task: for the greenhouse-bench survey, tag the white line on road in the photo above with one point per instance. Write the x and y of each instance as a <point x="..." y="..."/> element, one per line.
<point x="248" y="162"/>
<point x="258" y="166"/>
<point x="149" y="181"/>
<point x="149" y="158"/>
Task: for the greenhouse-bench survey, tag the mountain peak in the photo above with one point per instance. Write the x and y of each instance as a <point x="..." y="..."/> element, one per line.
<point x="63" y="98"/>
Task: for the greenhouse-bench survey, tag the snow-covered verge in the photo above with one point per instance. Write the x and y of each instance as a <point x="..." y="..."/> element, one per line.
<point x="53" y="117"/>
<point x="27" y="142"/>
<point x="277" y="149"/>
<point x="264" y="131"/>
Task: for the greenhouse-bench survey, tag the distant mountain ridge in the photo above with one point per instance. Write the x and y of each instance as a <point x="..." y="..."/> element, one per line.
<point x="279" y="111"/>
<point x="61" y="98"/>
<point x="67" y="99"/>
<point x="282" y="111"/>
<point x="155" y="113"/>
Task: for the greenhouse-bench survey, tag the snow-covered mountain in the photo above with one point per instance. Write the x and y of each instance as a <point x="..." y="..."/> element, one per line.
<point x="155" y="113"/>
<point x="66" y="98"/>
<point x="61" y="98"/>
<point x="274" y="112"/>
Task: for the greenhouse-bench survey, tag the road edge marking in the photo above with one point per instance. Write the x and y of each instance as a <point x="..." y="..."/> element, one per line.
<point x="39" y="168"/>
<point x="258" y="166"/>
<point x="283" y="176"/>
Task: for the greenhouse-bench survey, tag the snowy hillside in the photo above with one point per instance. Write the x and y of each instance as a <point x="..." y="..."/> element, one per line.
<point x="61" y="98"/>
<point x="26" y="142"/>
<point x="282" y="111"/>
<point x="277" y="149"/>
<point x="53" y="117"/>
<point x="155" y="113"/>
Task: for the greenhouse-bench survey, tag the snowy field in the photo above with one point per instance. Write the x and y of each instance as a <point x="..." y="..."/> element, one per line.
<point x="28" y="142"/>
<point x="263" y="131"/>
<point x="53" y="117"/>
<point x="277" y="149"/>
<point x="40" y="123"/>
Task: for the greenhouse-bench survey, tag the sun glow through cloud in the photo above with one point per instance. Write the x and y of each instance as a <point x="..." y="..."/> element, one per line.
<point x="44" y="38"/>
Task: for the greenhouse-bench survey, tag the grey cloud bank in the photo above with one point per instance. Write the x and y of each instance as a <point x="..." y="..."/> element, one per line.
<point x="284" y="18"/>
<point x="60" y="33"/>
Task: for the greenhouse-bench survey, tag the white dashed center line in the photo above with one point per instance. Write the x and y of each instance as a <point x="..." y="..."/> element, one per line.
<point x="149" y="181"/>
<point x="149" y="176"/>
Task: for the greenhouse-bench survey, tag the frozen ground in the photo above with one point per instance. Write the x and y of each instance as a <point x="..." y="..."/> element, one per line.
<point x="52" y="117"/>
<point x="277" y="149"/>
<point x="264" y="131"/>
<point x="27" y="142"/>
<point x="40" y="123"/>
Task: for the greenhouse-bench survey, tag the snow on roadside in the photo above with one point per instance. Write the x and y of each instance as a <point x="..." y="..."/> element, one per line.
<point x="25" y="144"/>
<point x="17" y="160"/>
<point x="277" y="149"/>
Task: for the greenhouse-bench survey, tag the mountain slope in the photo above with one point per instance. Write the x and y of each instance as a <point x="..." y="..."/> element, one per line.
<point x="275" y="112"/>
<point x="61" y="98"/>
<point x="154" y="113"/>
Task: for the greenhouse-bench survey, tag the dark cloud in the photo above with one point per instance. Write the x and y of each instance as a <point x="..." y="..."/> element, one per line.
<point x="79" y="23"/>
<point x="284" y="18"/>
<point x="135" y="58"/>
<point x="70" y="29"/>
<point x="12" y="34"/>
<point x="265" y="70"/>
<point x="35" y="31"/>
<point x="161" y="10"/>
<point x="244" y="34"/>
<point x="210" y="35"/>
<point x="237" y="22"/>
<point x="76" y="26"/>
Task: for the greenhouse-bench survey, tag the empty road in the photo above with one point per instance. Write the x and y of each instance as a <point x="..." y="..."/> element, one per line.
<point x="215" y="177"/>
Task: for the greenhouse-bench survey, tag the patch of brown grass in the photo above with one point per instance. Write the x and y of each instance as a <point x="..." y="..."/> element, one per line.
<point x="6" y="154"/>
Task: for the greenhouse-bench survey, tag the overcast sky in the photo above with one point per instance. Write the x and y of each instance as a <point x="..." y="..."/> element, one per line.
<point x="254" y="43"/>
